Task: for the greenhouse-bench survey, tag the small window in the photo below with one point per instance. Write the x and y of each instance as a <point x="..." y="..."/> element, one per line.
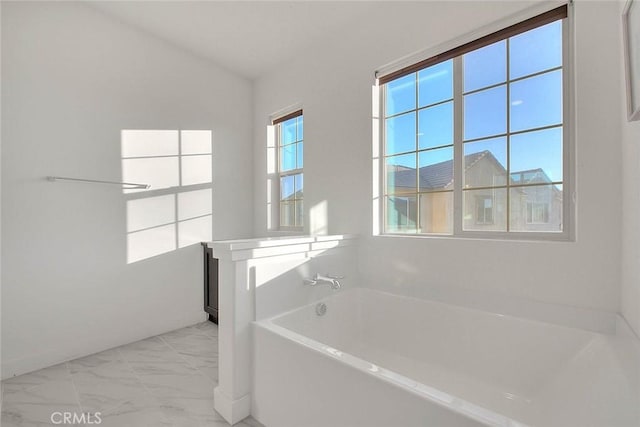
<point x="537" y="213"/>
<point x="290" y="148"/>
<point x="484" y="210"/>
<point x="476" y="137"/>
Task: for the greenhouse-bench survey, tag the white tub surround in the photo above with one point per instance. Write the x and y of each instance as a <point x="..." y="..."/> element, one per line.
<point x="377" y="359"/>
<point x="259" y="277"/>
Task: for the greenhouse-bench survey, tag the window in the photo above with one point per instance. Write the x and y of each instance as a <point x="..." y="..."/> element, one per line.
<point x="474" y="138"/>
<point x="484" y="210"/>
<point x="537" y="213"/>
<point x="289" y="134"/>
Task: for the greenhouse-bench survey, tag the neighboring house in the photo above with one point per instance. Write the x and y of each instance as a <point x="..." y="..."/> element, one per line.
<point x="536" y="208"/>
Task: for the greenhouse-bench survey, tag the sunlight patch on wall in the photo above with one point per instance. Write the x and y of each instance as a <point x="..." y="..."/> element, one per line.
<point x="177" y="210"/>
<point x="149" y="243"/>
<point x="318" y="219"/>
<point x="194" y="217"/>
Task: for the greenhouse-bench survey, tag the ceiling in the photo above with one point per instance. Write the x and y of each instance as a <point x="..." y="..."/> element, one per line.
<point x="247" y="37"/>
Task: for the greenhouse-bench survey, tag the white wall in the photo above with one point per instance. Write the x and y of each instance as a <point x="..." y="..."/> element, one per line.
<point x="630" y="295"/>
<point x="333" y="82"/>
<point x="72" y="79"/>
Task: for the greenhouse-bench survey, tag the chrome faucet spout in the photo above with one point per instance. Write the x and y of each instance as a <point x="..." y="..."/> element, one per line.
<point x="317" y="279"/>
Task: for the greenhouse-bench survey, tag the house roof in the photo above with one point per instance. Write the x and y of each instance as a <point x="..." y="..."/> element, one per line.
<point x="530" y="176"/>
<point x="437" y="175"/>
<point x="440" y="175"/>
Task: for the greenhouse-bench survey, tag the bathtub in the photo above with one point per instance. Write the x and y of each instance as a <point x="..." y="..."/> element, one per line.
<point x="377" y="359"/>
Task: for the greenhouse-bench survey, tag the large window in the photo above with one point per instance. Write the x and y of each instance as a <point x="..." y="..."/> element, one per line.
<point x="475" y="139"/>
<point x="290" y="147"/>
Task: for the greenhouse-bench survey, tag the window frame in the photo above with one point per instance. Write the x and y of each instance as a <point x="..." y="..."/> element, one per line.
<point x="441" y="53"/>
<point x="276" y="122"/>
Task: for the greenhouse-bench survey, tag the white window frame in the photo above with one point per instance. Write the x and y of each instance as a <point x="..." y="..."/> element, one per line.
<point x="278" y="174"/>
<point x="568" y="126"/>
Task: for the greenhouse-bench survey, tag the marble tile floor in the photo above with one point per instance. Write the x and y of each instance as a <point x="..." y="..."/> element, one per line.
<point x="162" y="381"/>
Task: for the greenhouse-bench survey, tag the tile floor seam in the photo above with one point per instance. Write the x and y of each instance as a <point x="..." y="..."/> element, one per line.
<point x="124" y="359"/>
<point x="75" y="388"/>
<point x="147" y="389"/>
<point x="189" y="364"/>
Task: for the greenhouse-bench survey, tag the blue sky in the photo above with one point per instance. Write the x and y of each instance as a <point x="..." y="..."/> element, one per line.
<point x="291" y="155"/>
<point x="533" y="102"/>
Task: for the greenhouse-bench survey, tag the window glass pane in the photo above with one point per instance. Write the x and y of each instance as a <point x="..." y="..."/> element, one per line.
<point x="299" y="213"/>
<point x="435" y="126"/>
<point x="536" y="50"/>
<point x="298" y="185"/>
<point x="401" y="174"/>
<point x="485" y="162"/>
<point x="536" y="157"/>
<point x="485" y="113"/>
<point x="436" y="212"/>
<point x="300" y="155"/>
<point x="287" y="214"/>
<point x="486" y="66"/>
<point x="536" y="101"/>
<point x="435" y="84"/>
<point x="436" y="169"/>
<point x="288" y="157"/>
<point x="485" y="210"/>
<point x="288" y="131"/>
<point x="300" y="130"/>
<point x="536" y="208"/>
<point x="401" y="95"/>
<point x="401" y="214"/>
<point x="401" y="133"/>
<point x="287" y="187"/>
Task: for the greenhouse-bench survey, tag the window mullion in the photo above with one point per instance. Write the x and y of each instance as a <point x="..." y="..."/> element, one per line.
<point x="417" y="147"/>
<point x="508" y="101"/>
<point x="458" y="150"/>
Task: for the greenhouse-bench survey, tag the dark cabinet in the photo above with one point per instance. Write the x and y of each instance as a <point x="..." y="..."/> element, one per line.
<point x="210" y="284"/>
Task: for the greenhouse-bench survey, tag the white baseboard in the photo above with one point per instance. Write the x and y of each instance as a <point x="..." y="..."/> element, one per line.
<point x="233" y="411"/>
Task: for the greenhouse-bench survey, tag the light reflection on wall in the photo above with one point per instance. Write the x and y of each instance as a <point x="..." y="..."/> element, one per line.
<point x="176" y="211"/>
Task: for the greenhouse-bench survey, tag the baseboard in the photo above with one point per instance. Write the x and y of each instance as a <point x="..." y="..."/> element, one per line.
<point x="87" y="346"/>
<point x="233" y="411"/>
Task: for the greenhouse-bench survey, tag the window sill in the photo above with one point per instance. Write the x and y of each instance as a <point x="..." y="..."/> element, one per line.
<point x="502" y="237"/>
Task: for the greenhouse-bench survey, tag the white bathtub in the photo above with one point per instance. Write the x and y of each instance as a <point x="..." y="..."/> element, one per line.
<point x="376" y="359"/>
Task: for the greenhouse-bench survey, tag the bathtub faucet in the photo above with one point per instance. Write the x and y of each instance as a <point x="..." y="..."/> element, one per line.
<point x="333" y="281"/>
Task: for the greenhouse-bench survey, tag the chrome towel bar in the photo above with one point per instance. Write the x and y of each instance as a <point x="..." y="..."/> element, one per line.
<point x="128" y="185"/>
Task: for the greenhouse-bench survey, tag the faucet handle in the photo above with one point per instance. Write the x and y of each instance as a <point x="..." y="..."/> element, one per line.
<point x="335" y="277"/>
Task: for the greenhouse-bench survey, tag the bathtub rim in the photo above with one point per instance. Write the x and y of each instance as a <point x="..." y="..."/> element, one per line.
<point x="616" y="330"/>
